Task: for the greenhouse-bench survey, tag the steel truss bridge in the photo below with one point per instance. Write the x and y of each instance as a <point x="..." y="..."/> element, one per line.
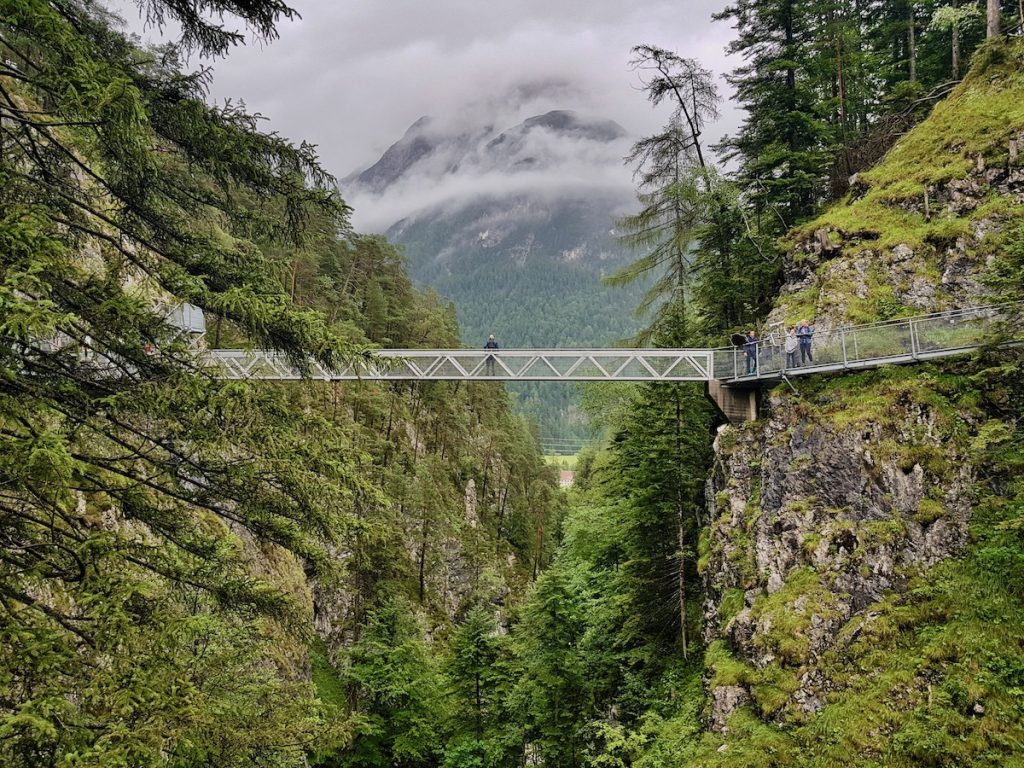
<point x="472" y="365"/>
<point x="901" y="341"/>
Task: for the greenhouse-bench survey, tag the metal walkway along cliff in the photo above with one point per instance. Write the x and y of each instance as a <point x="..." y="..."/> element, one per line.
<point x="733" y="381"/>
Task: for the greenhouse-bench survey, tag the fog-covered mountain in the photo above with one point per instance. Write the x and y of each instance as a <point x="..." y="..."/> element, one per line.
<point x="515" y="224"/>
<point x="558" y="141"/>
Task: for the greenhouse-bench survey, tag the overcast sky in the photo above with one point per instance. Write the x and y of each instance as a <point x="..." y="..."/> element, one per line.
<point x="352" y="75"/>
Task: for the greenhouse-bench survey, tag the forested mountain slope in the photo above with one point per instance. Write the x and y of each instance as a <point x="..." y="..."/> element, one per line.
<point x="516" y="225"/>
<point x="204" y="573"/>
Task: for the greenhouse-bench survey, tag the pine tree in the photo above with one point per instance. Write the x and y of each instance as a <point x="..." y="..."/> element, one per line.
<point x="780" y="146"/>
<point x="399" y="702"/>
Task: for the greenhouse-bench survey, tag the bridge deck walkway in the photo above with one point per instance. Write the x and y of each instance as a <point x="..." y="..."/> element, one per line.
<point x="895" y="342"/>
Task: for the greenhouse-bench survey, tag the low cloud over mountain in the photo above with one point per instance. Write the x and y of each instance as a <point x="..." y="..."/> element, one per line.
<point x="511" y="214"/>
<point x="442" y="164"/>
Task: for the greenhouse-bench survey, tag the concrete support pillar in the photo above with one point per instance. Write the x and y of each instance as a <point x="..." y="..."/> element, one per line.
<point x="736" y="404"/>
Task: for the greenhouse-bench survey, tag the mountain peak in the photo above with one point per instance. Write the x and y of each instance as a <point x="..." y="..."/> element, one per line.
<point x="569" y="122"/>
<point x="431" y="149"/>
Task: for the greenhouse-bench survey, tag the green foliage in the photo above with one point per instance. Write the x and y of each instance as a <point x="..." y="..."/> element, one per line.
<point x="697" y="241"/>
<point x="137" y="628"/>
<point x="160" y="530"/>
<point x="398" y="692"/>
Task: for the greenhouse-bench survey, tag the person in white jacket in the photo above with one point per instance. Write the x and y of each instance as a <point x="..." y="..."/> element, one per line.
<point x="792" y="344"/>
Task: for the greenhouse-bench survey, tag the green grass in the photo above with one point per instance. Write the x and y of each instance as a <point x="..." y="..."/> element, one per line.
<point x="328" y="683"/>
<point x="977" y="120"/>
<point x="561" y="461"/>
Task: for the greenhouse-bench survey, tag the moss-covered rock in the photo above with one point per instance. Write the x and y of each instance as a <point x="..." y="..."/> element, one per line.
<point x="916" y="233"/>
<point x="835" y="514"/>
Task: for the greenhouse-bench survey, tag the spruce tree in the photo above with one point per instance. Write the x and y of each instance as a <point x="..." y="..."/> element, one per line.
<point x="136" y="486"/>
<point x="779" y="148"/>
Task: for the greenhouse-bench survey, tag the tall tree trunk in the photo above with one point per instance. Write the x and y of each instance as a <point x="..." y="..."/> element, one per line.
<point x="540" y="547"/>
<point x="956" y="47"/>
<point x="294" y="278"/>
<point x="912" y="43"/>
<point x="956" y="53"/>
<point x="797" y="205"/>
<point x="479" y="708"/>
<point x="993" y="11"/>
<point x="680" y="530"/>
<point x="423" y="561"/>
<point x="790" y="70"/>
<point x="841" y="86"/>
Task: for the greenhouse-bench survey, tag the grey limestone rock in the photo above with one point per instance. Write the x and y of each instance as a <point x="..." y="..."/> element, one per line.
<point x="726" y="699"/>
<point x="798" y="493"/>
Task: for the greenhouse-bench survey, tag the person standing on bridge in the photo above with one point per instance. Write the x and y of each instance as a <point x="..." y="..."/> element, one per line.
<point x="805" y="334"/>
<point x="792" y="344"/>
<point x="491" y="344"/>
<point x="750" y="347"/>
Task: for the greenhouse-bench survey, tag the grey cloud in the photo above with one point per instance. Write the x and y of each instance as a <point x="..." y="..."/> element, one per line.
<point x="352" y="76"/>
<point x="540" y="164"/>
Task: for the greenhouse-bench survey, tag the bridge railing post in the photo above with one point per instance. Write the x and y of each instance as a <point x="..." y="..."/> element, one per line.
<point x="913" y="339"/>
<point x="842" y="338"/>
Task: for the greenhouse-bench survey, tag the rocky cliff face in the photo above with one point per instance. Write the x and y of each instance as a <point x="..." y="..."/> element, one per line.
<point x="849" y="489"/>
<point x="841" y="275"/>
<point x="818" y="513"/>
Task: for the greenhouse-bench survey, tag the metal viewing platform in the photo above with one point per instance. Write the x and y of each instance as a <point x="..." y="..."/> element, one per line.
<point x="892" y="342"/>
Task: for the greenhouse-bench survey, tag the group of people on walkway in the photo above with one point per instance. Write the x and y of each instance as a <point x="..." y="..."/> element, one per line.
<point x="798" y="339"/>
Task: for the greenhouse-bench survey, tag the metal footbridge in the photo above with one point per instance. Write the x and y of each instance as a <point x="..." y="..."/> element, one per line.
<point x="852" y="347"/>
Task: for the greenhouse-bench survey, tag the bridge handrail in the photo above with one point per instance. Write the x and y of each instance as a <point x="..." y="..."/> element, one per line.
<point x="1000" y="306"/>
<point x="897" y="340"/>
<point x="857" y="345"/>
<point x="609" y="364"/>
<point x="509" y="352"/>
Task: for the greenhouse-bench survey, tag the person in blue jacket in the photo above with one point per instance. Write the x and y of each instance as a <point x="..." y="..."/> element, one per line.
<point x="491" y="344"/>
<point x="805" y="335"/>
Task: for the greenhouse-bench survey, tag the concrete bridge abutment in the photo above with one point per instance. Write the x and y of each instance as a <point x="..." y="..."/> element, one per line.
<point x="737" y="404"/>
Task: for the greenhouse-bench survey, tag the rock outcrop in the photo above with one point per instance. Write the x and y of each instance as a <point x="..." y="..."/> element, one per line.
<point x="816" y="514"/>
<point x="843" y="493"/>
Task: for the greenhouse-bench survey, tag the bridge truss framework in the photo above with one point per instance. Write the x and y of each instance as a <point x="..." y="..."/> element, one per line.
<point x="907" y="340"/>
<point x="473" y="365"/>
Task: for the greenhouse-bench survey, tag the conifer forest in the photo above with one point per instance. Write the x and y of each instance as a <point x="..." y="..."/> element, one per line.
<point x="204" y="572"/>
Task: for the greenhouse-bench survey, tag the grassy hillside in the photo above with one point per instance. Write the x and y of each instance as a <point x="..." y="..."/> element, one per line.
<point x="944" y="199"/>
